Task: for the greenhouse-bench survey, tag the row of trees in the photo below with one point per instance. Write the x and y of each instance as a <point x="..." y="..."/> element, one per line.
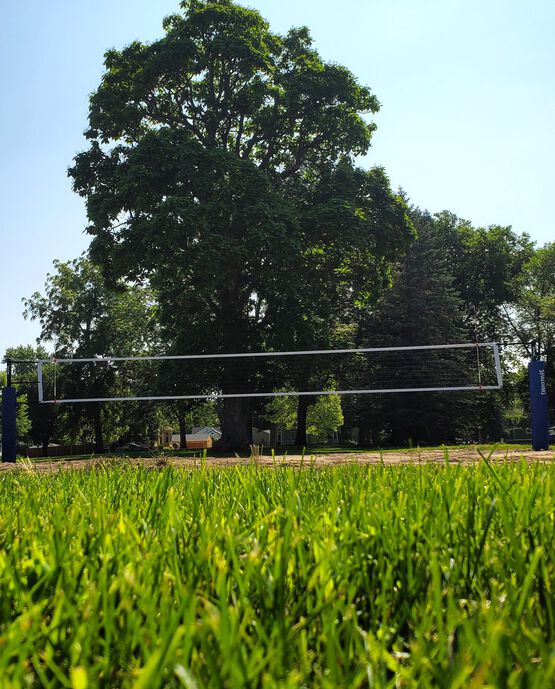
<point x="228" y="214"/>
<point x="455" y="283"/>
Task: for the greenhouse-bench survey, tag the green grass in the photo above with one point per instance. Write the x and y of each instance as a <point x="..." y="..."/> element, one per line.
<point x="407" y="576"/>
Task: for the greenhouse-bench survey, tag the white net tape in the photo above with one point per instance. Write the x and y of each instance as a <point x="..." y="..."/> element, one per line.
<point x="271" y="374"/>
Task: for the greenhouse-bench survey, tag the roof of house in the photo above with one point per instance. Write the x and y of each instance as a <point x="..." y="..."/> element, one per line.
<point x="207" y="430"/>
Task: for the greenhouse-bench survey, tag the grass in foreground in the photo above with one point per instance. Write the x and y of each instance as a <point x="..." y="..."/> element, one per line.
<point x="412" y="576"/>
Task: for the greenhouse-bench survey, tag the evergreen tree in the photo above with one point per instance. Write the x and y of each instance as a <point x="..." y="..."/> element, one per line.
<point x="421" y="308"/>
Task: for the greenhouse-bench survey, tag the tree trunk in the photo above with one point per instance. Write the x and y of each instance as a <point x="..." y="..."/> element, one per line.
<point x="98" y="434"/>
<point x="364" y="434"/>
<point x="45" y="443"/>
<point x="302" y="409"/>
<point x="236" y="418"/>
<point x="182" y="431"/>
<point x="236" y="427"/>
<point x="273" y="434"/>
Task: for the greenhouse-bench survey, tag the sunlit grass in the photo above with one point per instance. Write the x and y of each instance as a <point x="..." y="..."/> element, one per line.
<point x="412" y="576"/>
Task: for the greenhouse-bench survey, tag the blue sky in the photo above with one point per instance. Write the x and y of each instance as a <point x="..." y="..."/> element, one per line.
<point x="467" y="118"/>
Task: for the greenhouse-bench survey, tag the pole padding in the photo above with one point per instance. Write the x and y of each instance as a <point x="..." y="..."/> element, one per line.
<point x="538" y="405"/>
<point x="9" y="411"/>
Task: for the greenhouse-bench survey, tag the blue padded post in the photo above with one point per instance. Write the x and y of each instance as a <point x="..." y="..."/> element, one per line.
<point x="9" y="407"/>
<point x="538" y="405"/>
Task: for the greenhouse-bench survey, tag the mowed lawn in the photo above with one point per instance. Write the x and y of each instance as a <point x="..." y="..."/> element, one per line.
<point x="355" y="576"/>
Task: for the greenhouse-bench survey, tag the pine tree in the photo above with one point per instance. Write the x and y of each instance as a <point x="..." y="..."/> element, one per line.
<point x="421" y="308"/>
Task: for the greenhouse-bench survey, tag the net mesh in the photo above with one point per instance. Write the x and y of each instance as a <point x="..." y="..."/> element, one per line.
<point x="454" y="367"/>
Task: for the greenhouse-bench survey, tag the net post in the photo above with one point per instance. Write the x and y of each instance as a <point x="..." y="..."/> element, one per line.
<point x="498" y="370"/>
<point x="39" y="381"/>
<point x="9" y="412"/>
<point x="539" y="418"/>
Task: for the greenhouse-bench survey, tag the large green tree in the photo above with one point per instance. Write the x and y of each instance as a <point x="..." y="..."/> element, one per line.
<point x="423" y="307"/>
<point x="353" y="229"/>
<point x="489" y="267"/>
<point x="210" y="173"/>
<point x="84" y="317"/>
<point x="487" y="264"/>
<point x="532" y="319"/>
<point x="41" y="418"/>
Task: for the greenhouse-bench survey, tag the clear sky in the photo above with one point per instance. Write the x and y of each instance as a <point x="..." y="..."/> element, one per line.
<point x="467" y="118"/>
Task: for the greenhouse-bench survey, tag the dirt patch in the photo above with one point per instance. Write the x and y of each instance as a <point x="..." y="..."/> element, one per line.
<point x="458" y="455"/>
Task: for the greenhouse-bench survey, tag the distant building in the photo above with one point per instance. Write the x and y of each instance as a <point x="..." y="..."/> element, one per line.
<point x="205" y="436"/>
<point x="286" y="436"/>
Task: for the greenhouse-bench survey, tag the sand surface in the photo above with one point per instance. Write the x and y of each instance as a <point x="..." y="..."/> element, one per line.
<point x="415" y="456"/>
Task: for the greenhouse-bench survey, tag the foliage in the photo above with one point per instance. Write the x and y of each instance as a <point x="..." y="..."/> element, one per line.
<point x="85" y="317"/>
<point x="282" y="411"/>
<point x="515" y="413"/>
<point x="533" y="318"/>
<point x="456" y="284"/>
<point x="41" y="418"/>
<point x="535" y="309"/>
<point x="422" y="308"/>
<point x="487" y="266"/>
<point x="220" y="164"/>
<point x="413" y="576"/>
<point x="22" y="420"/>
<point x="203" y="413"/>
<point x="324" y="415"/>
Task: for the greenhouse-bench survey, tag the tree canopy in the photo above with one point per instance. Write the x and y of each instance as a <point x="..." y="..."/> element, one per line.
<point x="228" y="214"/>
<point x="34" y="421"/>
<point x="220" y="170"/>
<point x="84" y="317"/>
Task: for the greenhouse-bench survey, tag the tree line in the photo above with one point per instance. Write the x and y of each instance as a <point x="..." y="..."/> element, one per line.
<point x="228" y="213"/>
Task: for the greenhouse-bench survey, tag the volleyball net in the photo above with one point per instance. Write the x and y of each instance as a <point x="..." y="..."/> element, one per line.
<point x="377" y="370"/>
